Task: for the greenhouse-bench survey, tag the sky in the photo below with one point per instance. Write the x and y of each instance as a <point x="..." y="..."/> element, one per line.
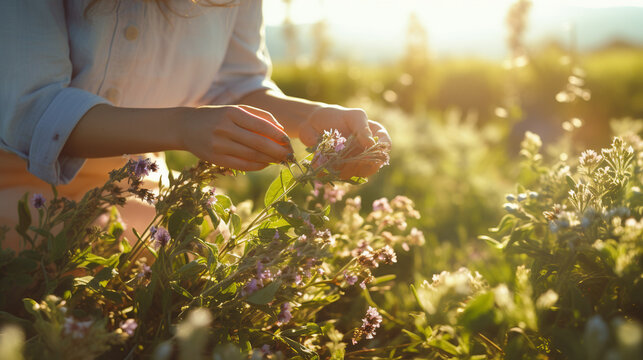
<point x="460" y="27"/>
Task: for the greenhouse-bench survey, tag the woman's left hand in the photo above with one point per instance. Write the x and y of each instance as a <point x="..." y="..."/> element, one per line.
<point x="348" y="122"/>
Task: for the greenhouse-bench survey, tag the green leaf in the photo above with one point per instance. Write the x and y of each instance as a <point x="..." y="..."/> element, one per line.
<point x="505" y="225"/>
<point x="31" y="306"/>
<point x="235" y="223"/>
<point x="24" y="216"/>
<point x="189" y="270"/>
<point x="570" y="182"/>
<point x="177" y="221"/>
<point x="57" y="246"/>
<point x="278" y="187"/>
<point x="126" y="246"/>
<point x="309" y="328"/>
<point x="180" y="290"/>
<point x="383" y="279"/>
<point x="413" y="336"/>
<point x="478" y="314"/>
<point x="493" y="242"/>
<point x="297" y="347"/>
<point x="264" y="295"/>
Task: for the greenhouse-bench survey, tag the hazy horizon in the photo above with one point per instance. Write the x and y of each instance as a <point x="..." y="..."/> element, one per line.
<point x="379" y="33"/>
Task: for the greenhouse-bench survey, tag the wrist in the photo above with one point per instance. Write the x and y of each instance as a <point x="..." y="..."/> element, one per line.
<point x="177" y="123"/>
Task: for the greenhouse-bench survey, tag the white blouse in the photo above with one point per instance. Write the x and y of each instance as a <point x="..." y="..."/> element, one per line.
<point x="56" y="63"/>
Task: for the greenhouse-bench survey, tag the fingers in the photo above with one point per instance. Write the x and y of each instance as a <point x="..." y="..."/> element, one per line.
<point x="232" y="148"/>
<point x="258" y="142"/>
<point x="359" y="126"/>
<point x="308" y="136"/>
<point x="248" y="120"/>
<point x="262" y="114"/>
<point x="234" y="162"/>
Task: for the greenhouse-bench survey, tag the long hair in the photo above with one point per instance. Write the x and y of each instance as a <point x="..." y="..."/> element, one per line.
<point x="165" y="6"/>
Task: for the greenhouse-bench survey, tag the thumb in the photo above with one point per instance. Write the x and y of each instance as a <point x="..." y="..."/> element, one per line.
<point x="358" y="124"/>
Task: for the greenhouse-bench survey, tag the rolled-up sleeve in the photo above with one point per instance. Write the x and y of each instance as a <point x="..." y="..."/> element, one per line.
<point x="246" y="66"/>
<point x="38" y="109"/>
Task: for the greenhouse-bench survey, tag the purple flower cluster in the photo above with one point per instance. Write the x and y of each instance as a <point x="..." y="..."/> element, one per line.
<point x="386" y="255"/>
<point x="331" y="193"/>
<point x="129" y="326"/>
<point x="382" y="205"/>
<point x="284" y="315"/>
<point x="143" y="167"/>
<point x="350" y="278"/>
<point x="370" y="323"/>
<point x="38" y="201"/>
<point x="160" y="235"/>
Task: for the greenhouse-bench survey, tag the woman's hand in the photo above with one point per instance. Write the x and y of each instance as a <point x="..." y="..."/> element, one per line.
<point x="238" y="137"/>
<point x="347" y="122"/>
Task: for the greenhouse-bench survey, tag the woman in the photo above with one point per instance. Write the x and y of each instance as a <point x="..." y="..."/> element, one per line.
<point x="84" y="82"/>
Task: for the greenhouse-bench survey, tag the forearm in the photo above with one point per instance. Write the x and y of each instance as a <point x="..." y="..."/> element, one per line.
<point x="289" y="111"/>
<point x="107" y="130"/>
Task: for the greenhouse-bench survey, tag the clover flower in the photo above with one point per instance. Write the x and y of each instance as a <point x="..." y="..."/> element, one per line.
<point x="332" y="193"/>
<point x="129" y="326"/>
<point x="37" y="201"/>
<point x="589" y="158"/>
<point x="370" y="323"/>
<point x="416" y="237"/>
<point x="284" y="315"/>
<point x="382" y="205"/>
<point x="160" y="235"/>
<point x="76" y="329"/>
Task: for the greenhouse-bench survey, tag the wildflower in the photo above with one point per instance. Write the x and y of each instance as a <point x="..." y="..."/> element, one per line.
<point x="511" y="207"/>
<point x="284" y="315"/>
<point x="547" y="299"/>
<point x="146" y="270"/>
<point x="382" y="205"/>
<point x="589" y="158"/>
<point x="416" y="237"/>
<point x="350" y="278"/>
<point x="387" y="255"/>
<point x="143" y="167"/>
<point x="211" y="199"/>
<point x="129" y="326"/>
<point x="38" y="201"/>
<point x="367" y="280"/>
<point x="250" y="287"/>
<point x="263" y="273"/>
<point x="370" y="323"/>
<point x="367" y="259"/>
<point x="309" y="225"/>
<point x="362" y="246"/>
<point x="354" y="203"/>
<point x="76" y="329"/>
<point x="161" y="235"/>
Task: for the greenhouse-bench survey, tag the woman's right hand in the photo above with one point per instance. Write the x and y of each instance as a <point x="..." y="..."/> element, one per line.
<point x="234" y="136"/>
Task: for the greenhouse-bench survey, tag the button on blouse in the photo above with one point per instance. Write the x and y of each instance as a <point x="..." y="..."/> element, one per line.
<point x="58" y="61"/>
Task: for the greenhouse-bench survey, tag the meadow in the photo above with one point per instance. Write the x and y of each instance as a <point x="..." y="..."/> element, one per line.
<point x="507" y="225"/>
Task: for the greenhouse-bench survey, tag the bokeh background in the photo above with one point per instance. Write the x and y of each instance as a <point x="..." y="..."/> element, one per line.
<point x="457" y="83"/>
